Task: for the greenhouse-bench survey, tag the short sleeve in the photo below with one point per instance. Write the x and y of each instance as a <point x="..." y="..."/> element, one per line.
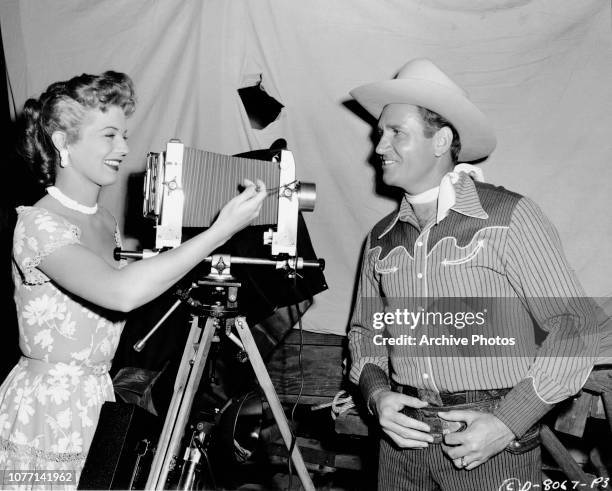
<point x="38" y="233"/>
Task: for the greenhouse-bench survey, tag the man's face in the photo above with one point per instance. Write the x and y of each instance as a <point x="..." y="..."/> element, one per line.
<point x="408" y="157"/>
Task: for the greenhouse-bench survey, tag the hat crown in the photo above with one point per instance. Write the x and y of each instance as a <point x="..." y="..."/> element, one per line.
<point x="424" y="69"/>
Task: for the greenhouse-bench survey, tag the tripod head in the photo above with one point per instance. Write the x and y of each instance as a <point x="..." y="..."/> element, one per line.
<point x="219" y="298"/>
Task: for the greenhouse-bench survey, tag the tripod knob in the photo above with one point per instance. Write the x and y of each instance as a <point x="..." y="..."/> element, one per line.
<point x="242" y="356"/>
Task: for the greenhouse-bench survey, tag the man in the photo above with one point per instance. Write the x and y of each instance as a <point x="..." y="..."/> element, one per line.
<point x="456" y="414"/>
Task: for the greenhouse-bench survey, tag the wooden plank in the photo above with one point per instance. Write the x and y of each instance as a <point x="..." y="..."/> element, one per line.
<point x="562" y="457"/>
<point x="599" y="381"/>
<point x="315" y="338"/>
<point x="607" y="402"/>
<point x="351" y="423"/>
<point x="316" y="456"/>
<point x="305" y="399"/>
<point x="572" y="419"/>
<point x="322" y="370"/>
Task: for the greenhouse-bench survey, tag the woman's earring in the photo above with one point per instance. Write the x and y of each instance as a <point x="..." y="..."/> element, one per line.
<point x="64" y="157"/>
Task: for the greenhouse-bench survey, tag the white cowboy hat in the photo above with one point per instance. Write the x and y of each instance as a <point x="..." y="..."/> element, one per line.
<point x="421" y="83"/>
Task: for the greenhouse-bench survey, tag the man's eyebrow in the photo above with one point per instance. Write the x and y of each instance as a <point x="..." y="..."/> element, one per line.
<point x="393" y="126"/>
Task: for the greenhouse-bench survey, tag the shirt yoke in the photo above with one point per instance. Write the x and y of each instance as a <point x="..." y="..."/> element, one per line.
<point x="498" y="202"/>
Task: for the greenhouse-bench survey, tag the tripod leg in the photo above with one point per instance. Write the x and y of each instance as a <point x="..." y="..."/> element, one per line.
<point x="277" y="410"/>
<point x="187" y="381"/>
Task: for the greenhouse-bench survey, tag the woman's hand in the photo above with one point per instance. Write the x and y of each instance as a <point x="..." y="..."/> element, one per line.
<point x="241" y="210"/>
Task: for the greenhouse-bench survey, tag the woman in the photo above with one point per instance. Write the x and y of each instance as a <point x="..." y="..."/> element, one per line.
<point x="69" y="290"/>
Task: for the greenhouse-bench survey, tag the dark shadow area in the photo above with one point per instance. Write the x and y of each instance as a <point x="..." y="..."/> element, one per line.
<point x="19" y="189"/>
<point x="358" y="110"/>
<point x="136" y="225"/>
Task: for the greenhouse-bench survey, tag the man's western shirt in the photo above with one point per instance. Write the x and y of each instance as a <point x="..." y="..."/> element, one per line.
<point x="493" y="244"/>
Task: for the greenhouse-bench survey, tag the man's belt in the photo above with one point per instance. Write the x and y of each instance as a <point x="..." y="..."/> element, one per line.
<point x="442" y="399"/>
<point x="473" y="400"/>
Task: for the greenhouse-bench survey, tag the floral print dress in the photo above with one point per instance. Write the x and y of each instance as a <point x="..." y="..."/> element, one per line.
<point x="50" y="402"/>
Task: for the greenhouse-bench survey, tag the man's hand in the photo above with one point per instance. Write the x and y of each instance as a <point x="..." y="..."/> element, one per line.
<point x="406" y="432"/>
<point x="484" y="437"/>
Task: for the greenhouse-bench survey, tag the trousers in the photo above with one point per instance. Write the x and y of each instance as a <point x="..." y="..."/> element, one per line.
<point x="430" y="469"/>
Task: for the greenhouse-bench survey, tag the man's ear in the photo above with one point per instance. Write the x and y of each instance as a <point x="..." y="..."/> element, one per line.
<point x="443" y="140"/>
<point x="59" y="139"/>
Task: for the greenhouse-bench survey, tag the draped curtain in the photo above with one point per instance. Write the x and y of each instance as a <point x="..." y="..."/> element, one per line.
<point x="540" y="69"/>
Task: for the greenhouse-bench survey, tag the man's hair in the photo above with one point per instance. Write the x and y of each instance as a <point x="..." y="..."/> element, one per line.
<point x="432" y="122"/>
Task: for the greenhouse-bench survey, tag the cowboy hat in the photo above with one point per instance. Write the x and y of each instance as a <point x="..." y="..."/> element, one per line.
<point x="421" y="83"/>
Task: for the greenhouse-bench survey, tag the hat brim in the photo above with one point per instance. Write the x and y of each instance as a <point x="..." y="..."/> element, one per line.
<point x="477" y="137"/>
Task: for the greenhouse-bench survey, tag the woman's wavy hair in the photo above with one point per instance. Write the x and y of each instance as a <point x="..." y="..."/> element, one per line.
<point x="62" y="107"/>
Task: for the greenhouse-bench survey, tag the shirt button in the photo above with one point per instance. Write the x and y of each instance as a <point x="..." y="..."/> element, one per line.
<point x="425" y="376"/>
<point x="419" y="243"/>
<point x="419" y="275"/>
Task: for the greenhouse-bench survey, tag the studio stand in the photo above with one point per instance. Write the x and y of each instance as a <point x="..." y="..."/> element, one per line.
<point x="219" y="314"/>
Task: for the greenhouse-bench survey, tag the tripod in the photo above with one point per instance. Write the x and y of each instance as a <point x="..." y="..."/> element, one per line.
<point x="218" y="312"/>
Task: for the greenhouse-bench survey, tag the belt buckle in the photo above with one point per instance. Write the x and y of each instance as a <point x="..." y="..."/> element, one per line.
<point x="440" y="427"/>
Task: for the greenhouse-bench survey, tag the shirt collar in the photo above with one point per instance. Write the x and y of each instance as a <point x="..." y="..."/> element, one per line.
<point x="457" y="193"/>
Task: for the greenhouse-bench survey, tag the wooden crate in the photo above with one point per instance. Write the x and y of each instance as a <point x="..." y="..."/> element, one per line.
<point x="322" y="356"/>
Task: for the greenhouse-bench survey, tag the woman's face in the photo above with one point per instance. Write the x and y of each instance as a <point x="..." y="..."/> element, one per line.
<point x="101" y="147"/>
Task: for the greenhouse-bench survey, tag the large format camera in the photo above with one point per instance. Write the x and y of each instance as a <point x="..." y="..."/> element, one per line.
<point x="186" y="187"/>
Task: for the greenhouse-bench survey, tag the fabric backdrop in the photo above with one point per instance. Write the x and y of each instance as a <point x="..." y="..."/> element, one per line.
<point x="540" y="69"/>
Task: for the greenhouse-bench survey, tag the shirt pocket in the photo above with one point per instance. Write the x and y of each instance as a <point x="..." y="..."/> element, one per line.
<point x="392" y="262"/>
<point x="380" y="268"/>
<point x="463" y="255"/>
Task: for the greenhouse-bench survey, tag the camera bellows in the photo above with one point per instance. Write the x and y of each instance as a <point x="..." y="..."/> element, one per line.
<point x="210" y="180"/>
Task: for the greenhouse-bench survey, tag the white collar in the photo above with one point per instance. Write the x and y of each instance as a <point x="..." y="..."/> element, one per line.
<point x="446" y="196"/>
<point x="424" y="197"/>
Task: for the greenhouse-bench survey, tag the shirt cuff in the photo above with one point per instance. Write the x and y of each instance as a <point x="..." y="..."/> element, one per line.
<point x="521" y="408"/>
<point x="373" y="379"/>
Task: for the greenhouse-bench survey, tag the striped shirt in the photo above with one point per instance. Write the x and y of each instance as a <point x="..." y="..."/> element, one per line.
<point x="493" y="244"/>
